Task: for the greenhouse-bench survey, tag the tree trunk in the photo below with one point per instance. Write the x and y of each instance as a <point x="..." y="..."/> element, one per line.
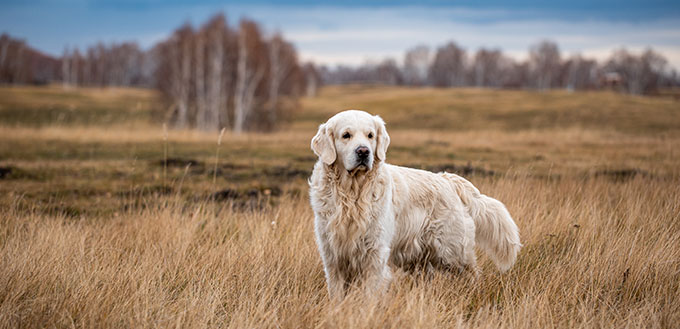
<point x="274" y="79"/>
<point x="65" y="69"/>
<point x="184" y="84"/>
<point x="241" y="77"/>
<point x="202" y="120"/>
<point x="215" y="93"/>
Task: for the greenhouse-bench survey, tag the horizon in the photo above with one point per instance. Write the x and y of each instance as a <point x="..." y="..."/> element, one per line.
<point x="354" y="33"/>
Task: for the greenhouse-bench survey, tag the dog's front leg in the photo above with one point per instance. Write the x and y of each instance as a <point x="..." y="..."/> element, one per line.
<point x="377" y="275"/>
<point x="335" y="283"/>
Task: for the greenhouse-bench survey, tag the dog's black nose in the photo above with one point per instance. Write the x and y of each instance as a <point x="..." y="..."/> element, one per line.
<point x="363" y="152"/>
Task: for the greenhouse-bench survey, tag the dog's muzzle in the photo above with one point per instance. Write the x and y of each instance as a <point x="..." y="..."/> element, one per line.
<point x="363" y="153"/>
<point x="363" y="157"/>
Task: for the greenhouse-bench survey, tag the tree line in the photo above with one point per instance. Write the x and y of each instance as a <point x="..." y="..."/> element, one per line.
<point x="117" y="64"/>
<point x="451" y="66"/>
<point x="21" y="64"/>
<point x="211" y="77"/>
<point x="241" y="78"/>
<point x="216" y="76"/>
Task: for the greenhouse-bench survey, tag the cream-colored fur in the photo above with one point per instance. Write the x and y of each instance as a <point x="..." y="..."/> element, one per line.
<point x="370" y="215"/>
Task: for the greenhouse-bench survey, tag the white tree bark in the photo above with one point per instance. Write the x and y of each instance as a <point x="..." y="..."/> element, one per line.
<point x="312" y="84"/>
<point x="240" y="108"/>
<point x="65" y="69"/>
<point x="277" y="71"/>
<point x="202" y="119"/>
<point x="3" y="50"/>
<point x="74" y="68"/>
<point x="216" y="94"/>
<point x="182" y="81"/>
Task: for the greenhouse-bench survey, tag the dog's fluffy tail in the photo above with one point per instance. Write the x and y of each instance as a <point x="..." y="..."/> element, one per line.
<point x="495" y="231"/>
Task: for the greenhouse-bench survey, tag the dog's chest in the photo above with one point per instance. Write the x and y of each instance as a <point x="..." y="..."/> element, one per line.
<point x="348" y="219"/>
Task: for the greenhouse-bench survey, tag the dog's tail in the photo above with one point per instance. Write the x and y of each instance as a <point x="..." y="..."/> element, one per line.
<point x="495" y="231"/>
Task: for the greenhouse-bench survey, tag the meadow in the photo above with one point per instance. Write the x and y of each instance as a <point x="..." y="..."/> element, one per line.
<point x="110" y="219"/>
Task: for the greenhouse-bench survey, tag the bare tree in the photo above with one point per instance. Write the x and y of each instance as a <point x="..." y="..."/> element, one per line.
<point x="281" y="60"/>
<point x="416" y="63"/>
<point x="19" y="67"/>
<point x="580" y="73"/>
<point x="216" y="77"/>
<point x="176" y="73"/>
<point x="218" y="96"/>
<point x="388" y="72"/>
<point x="66" y="68"/>
<point x="199" y="81"/>
<point x="75" y="67"/>
<point x="656" y="66"/>
<point x="21" y="64"/>
<point x="640" y="74"/>
<point x="5" y="41"/>
<point x="448" y="67"/>
<point x="544" y="62"/>
<point x="312" y="79"/>
<point x="249" y="72"/>
<point x="487" y="68"/>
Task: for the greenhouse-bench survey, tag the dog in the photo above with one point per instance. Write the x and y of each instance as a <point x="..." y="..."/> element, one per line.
<point x="371" y="216"/>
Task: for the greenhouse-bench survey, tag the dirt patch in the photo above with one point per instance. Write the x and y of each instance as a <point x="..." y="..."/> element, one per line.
<point x="286" y="172"/>
<point x="236" y="172"/>
<point x="228" y="170"/>
<point x="463" y="170"/>
<point x="140" y="191"/>
<point x="248" y="199"/>
<point x="622" y="175"/>
<point x="179" y="163"/>
<point x="11" y="172"/>
<point x="253" y="193"/>
<point x="226" y="194"/>
<point x="6" y="172"/>
<point x="306" y="158"/>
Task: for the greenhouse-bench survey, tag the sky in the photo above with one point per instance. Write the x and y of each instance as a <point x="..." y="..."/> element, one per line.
<point x="353" y="32"/>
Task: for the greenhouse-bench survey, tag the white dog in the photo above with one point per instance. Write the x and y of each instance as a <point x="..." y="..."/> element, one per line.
<point x="370" y="215"/>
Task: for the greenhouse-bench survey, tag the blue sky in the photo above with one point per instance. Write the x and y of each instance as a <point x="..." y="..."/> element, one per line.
<point x="352" y="32"/>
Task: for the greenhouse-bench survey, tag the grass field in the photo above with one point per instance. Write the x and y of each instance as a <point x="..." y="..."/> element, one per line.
<point x="110" y="220"/>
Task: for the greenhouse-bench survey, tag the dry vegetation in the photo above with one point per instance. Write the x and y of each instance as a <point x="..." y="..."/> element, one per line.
<point x="105" y="222"/>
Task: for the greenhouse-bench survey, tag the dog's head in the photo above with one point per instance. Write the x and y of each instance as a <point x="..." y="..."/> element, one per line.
<point x="354" y="140"/>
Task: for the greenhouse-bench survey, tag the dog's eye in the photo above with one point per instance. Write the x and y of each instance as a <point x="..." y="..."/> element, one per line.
<point x="346" y="135"/>
<point x="370" y="135"/>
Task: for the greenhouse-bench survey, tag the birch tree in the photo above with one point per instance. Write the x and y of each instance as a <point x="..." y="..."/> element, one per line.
<point x="281" y="61"/>
<point x="65" y="68"/>
<point x="217" y="96"/>
<point x="202" y="117"/>
<point x="544" y="61"/>
<point x="312" y="79"/>
<point x="416" y="62"/>
<point x="177" y="70"/>
<point x="448" y="67"/>
<point x="249" y="72"/>
<point x="216" y="77"/>
<point x="579" y="73"/>
<point x="487" y="68"/>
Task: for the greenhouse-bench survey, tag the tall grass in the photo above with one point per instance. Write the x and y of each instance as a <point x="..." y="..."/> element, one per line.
<point x="597" y="254"/>
<point x="90" y="238"/>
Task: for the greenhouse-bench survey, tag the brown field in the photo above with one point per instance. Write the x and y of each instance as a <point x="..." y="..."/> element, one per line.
<point x="108" y="220"/>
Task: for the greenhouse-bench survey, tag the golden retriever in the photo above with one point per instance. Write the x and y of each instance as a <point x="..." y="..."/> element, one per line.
<point x="371" y="216"/>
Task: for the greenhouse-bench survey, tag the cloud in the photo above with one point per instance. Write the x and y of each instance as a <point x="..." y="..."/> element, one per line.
<point x="351" y="35"/>
<point x="348" y="37"/>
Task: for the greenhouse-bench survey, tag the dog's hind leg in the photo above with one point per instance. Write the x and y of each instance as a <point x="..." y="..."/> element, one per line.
<point x="452" y="242"/>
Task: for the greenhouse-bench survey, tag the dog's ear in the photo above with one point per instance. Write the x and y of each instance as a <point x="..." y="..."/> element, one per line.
<point x="323" y="146"/>
<point x="383" y="139"/>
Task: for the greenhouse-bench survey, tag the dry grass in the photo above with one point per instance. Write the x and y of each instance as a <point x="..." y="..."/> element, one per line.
<point x="92" y="236"/>
<point x="596" y="255"/>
